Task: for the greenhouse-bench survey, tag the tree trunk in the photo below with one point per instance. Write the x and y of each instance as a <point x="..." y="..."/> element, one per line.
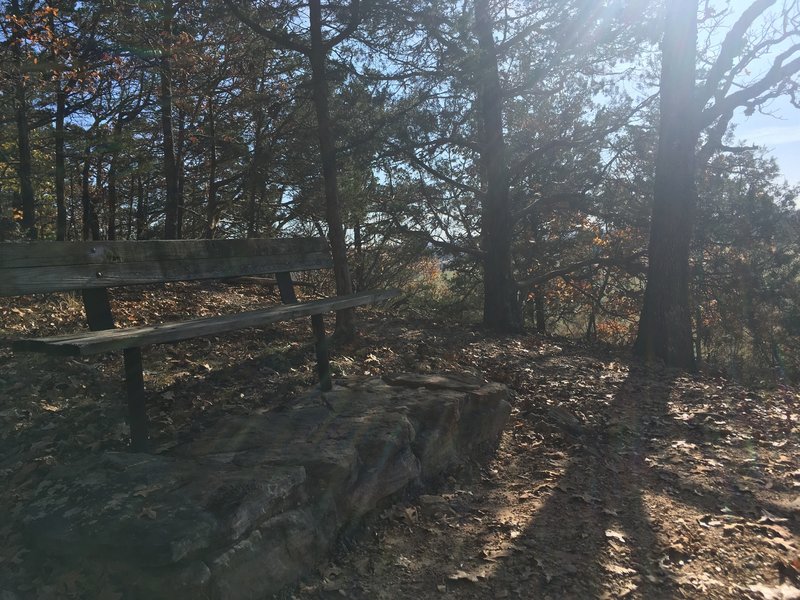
<point x="539" y="312"/>
<point x="255" y="174"/>
<point x="141" y="209"/>
<point x="501" y="307"/>
<point x="345" y="321"/>
<point x="111" y="201"/>
<point x="25" y="166"/>
<point x="131" y="205"/>
<point x="168" y="144"/>
<point x="358" y="247"/>
<point x="212" y="208"/>
<point x="179" y="166"/>
<point x="91" y="224"/>
<point x="61" y="169"/>
<point x="665" y="326"/>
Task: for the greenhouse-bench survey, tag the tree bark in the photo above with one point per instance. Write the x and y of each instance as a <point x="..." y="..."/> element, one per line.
<point x="141" y="208"/>
<point x="255" y="173"/>
<point x="212" y="208"/>
<point x="539" y="312"/>
<point x="345" y="321"/>
<point x="179" y="167"/>
<point x="168" y="144"/>
<point x="502" y="310"/>
<point x="112" y="200"/>
<point x="91" y="224"/>
<point x="25" y="165"/>
<point x="61" y="169"/>
<point x="665" y="326"/>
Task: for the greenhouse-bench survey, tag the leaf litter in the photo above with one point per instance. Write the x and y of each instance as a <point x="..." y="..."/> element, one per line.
<point x="610" y="481"/>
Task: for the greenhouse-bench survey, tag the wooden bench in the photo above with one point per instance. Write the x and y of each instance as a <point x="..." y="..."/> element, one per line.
<point x="92" y="267"/>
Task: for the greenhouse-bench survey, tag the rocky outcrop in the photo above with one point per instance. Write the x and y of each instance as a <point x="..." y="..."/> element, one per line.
<point x="247" y="507"/>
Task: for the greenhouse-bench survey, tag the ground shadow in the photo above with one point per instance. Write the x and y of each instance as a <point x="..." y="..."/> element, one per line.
<point x="596" y="518"/>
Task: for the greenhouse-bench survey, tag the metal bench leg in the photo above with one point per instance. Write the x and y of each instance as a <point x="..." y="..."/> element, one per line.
<point x="321" y="349"/>
<point x="134" y="385"/>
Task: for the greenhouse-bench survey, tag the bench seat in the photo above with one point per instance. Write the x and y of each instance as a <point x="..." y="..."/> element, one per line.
<point x="96" y="342"/>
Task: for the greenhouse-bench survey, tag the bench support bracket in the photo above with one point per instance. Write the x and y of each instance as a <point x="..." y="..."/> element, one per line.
<point x="99" y="316"/>
<point x="288" y="296"/>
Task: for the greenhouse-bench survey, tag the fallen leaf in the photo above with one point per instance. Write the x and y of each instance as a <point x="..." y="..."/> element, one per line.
<point x="619" y="570"/>
<point x="781" y="592"/>
<point x="147" y="512"/>
<point x="616" y="535"/>
<point x="709" y="521"/>
<point x="463" y="576"/>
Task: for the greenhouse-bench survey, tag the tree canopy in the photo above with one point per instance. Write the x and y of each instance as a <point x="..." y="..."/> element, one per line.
<point x="571" y="165"/>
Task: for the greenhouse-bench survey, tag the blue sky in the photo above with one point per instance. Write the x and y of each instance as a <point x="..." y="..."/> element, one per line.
<point x="780" y="134"/>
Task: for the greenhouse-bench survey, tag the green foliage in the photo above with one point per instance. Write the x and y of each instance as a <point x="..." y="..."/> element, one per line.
<point x="579" y="120"/>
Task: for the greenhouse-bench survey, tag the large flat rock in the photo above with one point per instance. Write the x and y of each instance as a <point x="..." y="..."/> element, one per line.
<point x="250" y="505"/>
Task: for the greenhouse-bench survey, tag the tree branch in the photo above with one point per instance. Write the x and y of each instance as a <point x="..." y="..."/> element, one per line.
<point x="281" y="40"/>
<point x="627" y="263"/>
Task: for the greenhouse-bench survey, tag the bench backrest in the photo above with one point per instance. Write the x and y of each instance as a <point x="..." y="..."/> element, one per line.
<point x="36" y="267"/>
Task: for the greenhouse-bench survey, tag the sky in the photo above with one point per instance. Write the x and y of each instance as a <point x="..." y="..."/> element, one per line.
<point x="780" y="134"/>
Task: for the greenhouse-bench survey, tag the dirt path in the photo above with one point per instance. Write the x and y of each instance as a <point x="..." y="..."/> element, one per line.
<point x="611" y="482"/>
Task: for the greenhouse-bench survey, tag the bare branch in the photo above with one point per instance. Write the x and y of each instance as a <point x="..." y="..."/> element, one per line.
<point x="628" y="263"/>
<point x="731" y="47"/>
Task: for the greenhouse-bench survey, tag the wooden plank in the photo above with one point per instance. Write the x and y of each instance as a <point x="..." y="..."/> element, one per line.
<point x="32" y="280"/>
<point x="43" y="254"/>
<point x="83" y="344"/>
<point x="37" y="267"/>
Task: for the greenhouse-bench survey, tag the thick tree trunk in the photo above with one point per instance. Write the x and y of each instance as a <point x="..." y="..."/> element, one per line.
<point x="168" y="144"/>
<point x="502" y="310"/>
<point x="665" y="326"/>
<point x="345" y="322"/>
<point x="25" y="165"/>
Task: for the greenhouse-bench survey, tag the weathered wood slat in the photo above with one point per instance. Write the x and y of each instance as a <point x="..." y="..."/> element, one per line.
<point x="95" y="342"/>
<point x="32" y="280"/>
<point x="42" y="253"/>
<point x="36" y="267"/>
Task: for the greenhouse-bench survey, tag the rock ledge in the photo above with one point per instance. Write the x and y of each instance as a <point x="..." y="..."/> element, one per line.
<point x="252" y="504"/>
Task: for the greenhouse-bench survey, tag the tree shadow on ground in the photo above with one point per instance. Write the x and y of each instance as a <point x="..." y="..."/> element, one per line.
<point x="601" y="530"/>
<point x="596" y="525"/>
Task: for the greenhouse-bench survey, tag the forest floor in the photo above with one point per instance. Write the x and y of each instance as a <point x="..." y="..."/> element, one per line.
<point x="611" y="481"/>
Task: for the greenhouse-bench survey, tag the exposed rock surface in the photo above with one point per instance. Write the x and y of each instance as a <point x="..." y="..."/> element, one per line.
<point x="248" y="506"/>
